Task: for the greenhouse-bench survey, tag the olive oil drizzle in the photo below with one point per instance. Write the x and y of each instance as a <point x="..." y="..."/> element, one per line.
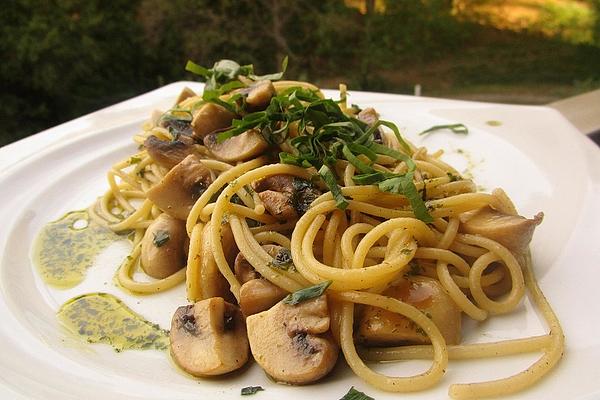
<point x="103" y="318"/>
<point x="66" y="248"/>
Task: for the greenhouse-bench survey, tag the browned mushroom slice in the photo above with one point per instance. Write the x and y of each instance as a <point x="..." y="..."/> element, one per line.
<point x="259" y="95"/>
<point x="279" y="204"/>
<point x="292" y="343"/>
<point x="176" y="193"/>
<point x="512" y="231"/>
<point x="169" y="153"/>
<point x="242" y="147"/>
<point x="209" y="118"/>
<point x="186" y="93"/>
<point x="209" y="338"/>
<point x="286" y="197"/>
<point x="163" y="247"/>
<point x="379" y="327"/>
<point x="257" y="294"/>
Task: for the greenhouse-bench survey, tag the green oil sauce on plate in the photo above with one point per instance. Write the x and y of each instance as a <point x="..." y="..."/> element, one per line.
<point x="103" y="318"/>
<point x="67" y="247"/>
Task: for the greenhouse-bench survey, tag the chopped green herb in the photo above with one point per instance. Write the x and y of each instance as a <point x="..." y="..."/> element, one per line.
<point x="134" y="160"/>
<point x="283" y="260"/>
<point x="249" y="390"/>
<point x="354" y="394"/>
<point x="453" y="178"/>
<point x="160" y="238"/>
<point x="459" y="129"/>
<point x="307" y="293"/>
<point x="415" y="268"/>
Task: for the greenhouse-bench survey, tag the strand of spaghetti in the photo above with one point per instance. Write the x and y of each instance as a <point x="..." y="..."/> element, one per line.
<point x="451" y="189"/>
<point x="260" y="259"/>
<point x="345" y="279"/>
<point x="449" y="234"/>
<point x="223" y="179"/>
<point x="125" y="272"/>
<point x="272" y="237"/>
<point x="222" y="205"/>
<point x="383" y="382"/>
<point x="431" y="169"/>
<point x="446" y="256"/>
<point x="329" y="236"/>
<point x="138" y="214"/>
<point x="257" y="249"/>
<point x="280" y="86"/>
<point x="348" y="238"/>
<point x="454" y="205"/>
<point x="457" y="295"/>
<point x="535" y="372"/>
<point x="517" y="290"/>
<point x="192" y="275"/>
<point x="459" y="352"/>
<point x="116" y="192"/>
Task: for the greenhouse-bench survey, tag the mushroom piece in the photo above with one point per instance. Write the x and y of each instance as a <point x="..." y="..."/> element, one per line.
<point x="209" y="118"/>
<point x="378" y="327"/>
<point x="186" y="93"/>
<point x="259" y="95"/>
<point x="169" y="153"/>
<point x="242" y="147"/>
<point x="209" y="338"/>
<point x="258" y="294"/>
<point x="512" y="231"/>
<point x="212" y="282"/>
<point x="292" y="343"/>
<point x="163" y="247"/>
<point x="178" y="190"/>
<point x="285" y="196"/>
<point x="370" y="117"/>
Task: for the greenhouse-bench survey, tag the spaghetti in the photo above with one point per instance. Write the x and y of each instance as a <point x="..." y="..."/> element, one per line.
<point x="388" y="212"/>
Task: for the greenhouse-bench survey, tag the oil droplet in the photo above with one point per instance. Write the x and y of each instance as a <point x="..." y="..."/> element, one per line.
<point x="493" y="123"/>
<point x="103" y="318"/>
<point x="65" y="249"/>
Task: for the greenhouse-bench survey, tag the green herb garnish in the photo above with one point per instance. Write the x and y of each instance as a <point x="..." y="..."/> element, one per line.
<point x="459" y="129"/>
<point x="354" y="394"/>
<point x="283" y="260"/>
<point x="160" y="238"/>
<point x="134" y="160"/>
<point x="307" y="293"/>
<point x="249" y="390"/>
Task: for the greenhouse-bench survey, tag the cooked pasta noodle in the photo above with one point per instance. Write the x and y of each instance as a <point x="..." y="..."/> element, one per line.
<point x="364" y="249"/>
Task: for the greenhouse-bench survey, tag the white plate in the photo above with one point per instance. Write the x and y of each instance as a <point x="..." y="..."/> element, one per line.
<point x="535" y="155"/>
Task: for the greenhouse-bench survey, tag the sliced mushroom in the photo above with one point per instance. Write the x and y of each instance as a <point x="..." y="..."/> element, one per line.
<point x="293" y="343"/>
<point x="186" y="93"/>
<point x="379" y="327"/>
<point x="257" y="294"/>
<point x="177" y="192"/>
<point x="163" y="247"/>
<point x="370" y="117"/>
<point x="285" y="196"/>
<point x="512" y="231"/>
<point x="209" y="118"/>
<point x="169" y="153"/>
<point x="242" y="147"/>
<point x="209" y="338"/>
<point x="212" y="282"/>
<point x="259" y="95"/>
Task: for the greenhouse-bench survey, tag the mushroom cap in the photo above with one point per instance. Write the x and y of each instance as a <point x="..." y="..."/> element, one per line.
<point x="292" y="343"/>
<point x="512" y="231"/>
<point x="209" y="338"/>
<point x="242" y="147"/>
<point x="179" y="189"/>
<point x="161" y="258"/>
<point x="210" y="118"/>
<point x="169" y="153"/>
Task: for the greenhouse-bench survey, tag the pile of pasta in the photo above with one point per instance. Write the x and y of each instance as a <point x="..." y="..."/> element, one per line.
<point x="363" y="250"/>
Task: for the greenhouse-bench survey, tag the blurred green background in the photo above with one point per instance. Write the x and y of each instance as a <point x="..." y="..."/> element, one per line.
<point x="65" y="58"/>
